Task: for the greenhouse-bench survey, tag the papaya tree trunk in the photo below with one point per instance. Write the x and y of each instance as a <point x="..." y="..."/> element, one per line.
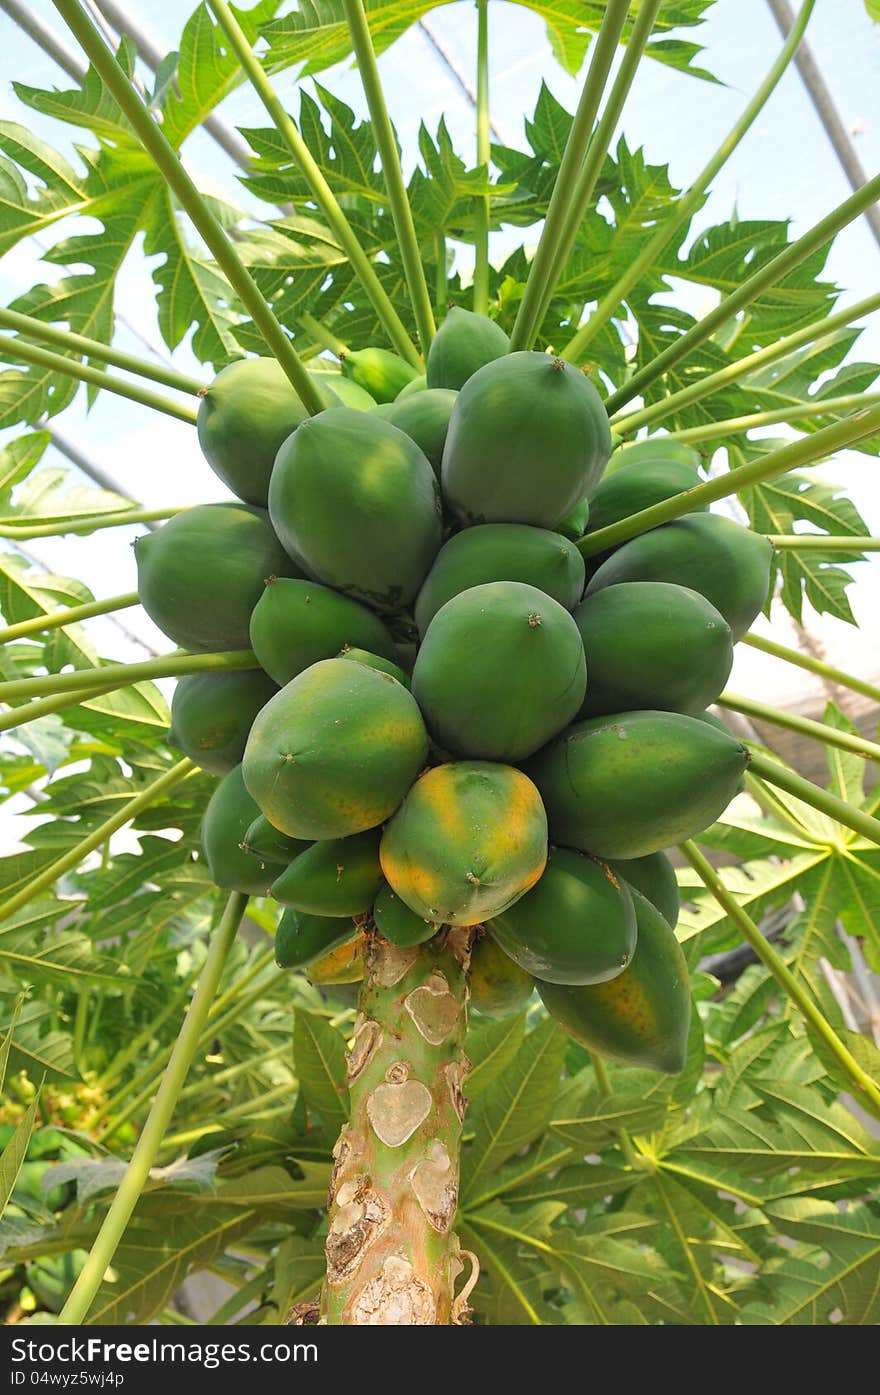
<point x="393" y="1257"/>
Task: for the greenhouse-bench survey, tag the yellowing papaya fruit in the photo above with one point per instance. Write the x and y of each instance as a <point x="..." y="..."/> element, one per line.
<point x="576" y="925"/>
<point x="270" y="845"/>
<point x="469" y="839"/>
<point x="357" y="501"/>
<point x="654" y="876"/>
<point x="245" y="414"/>
<point x="201" y="574"/>
<point x="637" y="485"/>
<point x="378" y="371"/>
<point x="498" y="986"/>
<point x="336" y="877"/>
<point x="642" y="1016"/>
<point x="229" y="815"/>
<point x="464" y="342"/>
<point x="501" y="670"/>
<point x="301" y="939"/>
<point x="296" y="623"/>
<point x="528" y="439"/>
<point x="397" y="923"/>
<point x="212" y="713"/>
<point x="424" y="417"/>
<point x="652" y="644"/>
<point x="342" y="964"/>
<point x="627" y="785"/>
<point x="502" y="552"/>
<point x="726" y="563"/>
<point x="335" y="751"/>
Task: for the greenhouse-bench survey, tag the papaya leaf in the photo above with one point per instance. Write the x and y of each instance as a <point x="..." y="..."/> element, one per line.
<point x="833" y="1276"/>
<point x="490" y="1048"/>
<point x="319" y="1058"/>
<point x="13" y="1155"/>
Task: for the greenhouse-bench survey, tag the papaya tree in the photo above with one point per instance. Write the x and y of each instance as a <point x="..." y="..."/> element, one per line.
<point x="401" y="998"/>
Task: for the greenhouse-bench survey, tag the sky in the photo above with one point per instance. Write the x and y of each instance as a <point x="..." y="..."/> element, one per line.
<point x="785" y="168"/>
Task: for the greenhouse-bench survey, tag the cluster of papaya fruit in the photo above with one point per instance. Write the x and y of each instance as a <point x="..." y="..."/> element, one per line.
<point x="452" y="722"/>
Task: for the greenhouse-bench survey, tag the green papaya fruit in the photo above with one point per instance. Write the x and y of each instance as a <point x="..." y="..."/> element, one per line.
<point x="356" y="499"/>
<point x="574" y="524"/>
<point x="424" y="417"/>
<point x="245" y="414"/>
<point x="296" y="623"/>
<point x="528" y="439"/>
<point x="336" y="877"/>
<point x="464" y="342"/>
<point x="726" y="563"/>
<point x="713" y="720"/>
<point x="654" y="876"/>
<point x="577" y="925"/>
<point x="212" y="713"/>
<point x="378" y="371"/>
<point x="382" y="410"/>
<point x="397" y="923"/>
<point x="301" y="938"/>
<point x="229" y="815"/>
<point x="201" y="574"/>
<point x="501" y="670"/>
<point x="469" y="839"/>
<point x="417" y="384"/>
<point x="652" y="644"/>
<point x="498" y="986"/>
<point x="642" y="1017"/>
<point x="632" y="488"/>
<point x="627" y="785"/>
<point x="346" y="390"/>
<point x="361" y="656"/>
<point x="335" y="751"/>
<point x="502" y="552"/>
<point x="270" y="845"/>
<point x="653" y="448"/>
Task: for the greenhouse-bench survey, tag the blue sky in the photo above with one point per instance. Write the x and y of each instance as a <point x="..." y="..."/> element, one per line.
<point x="784" y="168"/>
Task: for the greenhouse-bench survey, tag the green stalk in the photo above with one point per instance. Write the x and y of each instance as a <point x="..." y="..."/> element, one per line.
<point x="171" y="168"/>
<point x="120" y="675"/>
<point x="600" y="141"/>
<point x="65" y="339"/>
<point x="18" y="349"/>
<point x="811" y="665"/>
<point x="819" y="542"/>
<point x="687" y="206"/>
<point x="442" y="278"/>
<point x="482" y="211"/>
<point x="817" y="332"/>
<point x="80" y="1023"/>
<point x="793" y="456"/>
<point x="321" y="191"/>
<point x="798" y="411"/>
<point x="113" y="1227"/>
<point x="804" y="726"/>
<point x="74" y="856"/>
<point x="392" y="1255"/>
<point x="761" y="280"/>
<point x="93" y="523"/>
<point x="70" y="616"/>
<point x="386" y="142"/>
<point x="772" y="960"/>
<point x="838" y="809"/>
<point x="540" y="278"/>
<point x="603" y="1080"/>
<point x="42" y="707"/>
<point x="323" y="336"/>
